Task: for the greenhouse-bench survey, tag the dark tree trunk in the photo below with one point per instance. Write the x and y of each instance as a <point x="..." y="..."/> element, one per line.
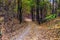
<point x="37" y="12"/>
<point x="56" y="6"/>
<point x="20" y="10"/>
<point x="53" y="11"/>
<point x="59" y="8"/>
<point x="32" y="13"/>
<point x="41" y="14"/>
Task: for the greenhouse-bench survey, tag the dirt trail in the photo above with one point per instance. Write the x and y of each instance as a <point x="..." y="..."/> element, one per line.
<point x="23" y="34"/>
<point x="32" y="31"/>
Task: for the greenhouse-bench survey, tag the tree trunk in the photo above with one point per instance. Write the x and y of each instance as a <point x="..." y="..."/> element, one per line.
<point x="32" y="13"/>
<point x="37" y="12"/>
<point x="53" y="11"/>
<point x="59" y="8"/>
<point x="20" y="10"/>
<point x="41" y="14"/>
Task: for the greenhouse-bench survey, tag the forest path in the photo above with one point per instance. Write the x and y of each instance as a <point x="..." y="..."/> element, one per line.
<point x="24" y="32"/>
<point x="32" y="31"/>
<point x="38" y="32"/>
